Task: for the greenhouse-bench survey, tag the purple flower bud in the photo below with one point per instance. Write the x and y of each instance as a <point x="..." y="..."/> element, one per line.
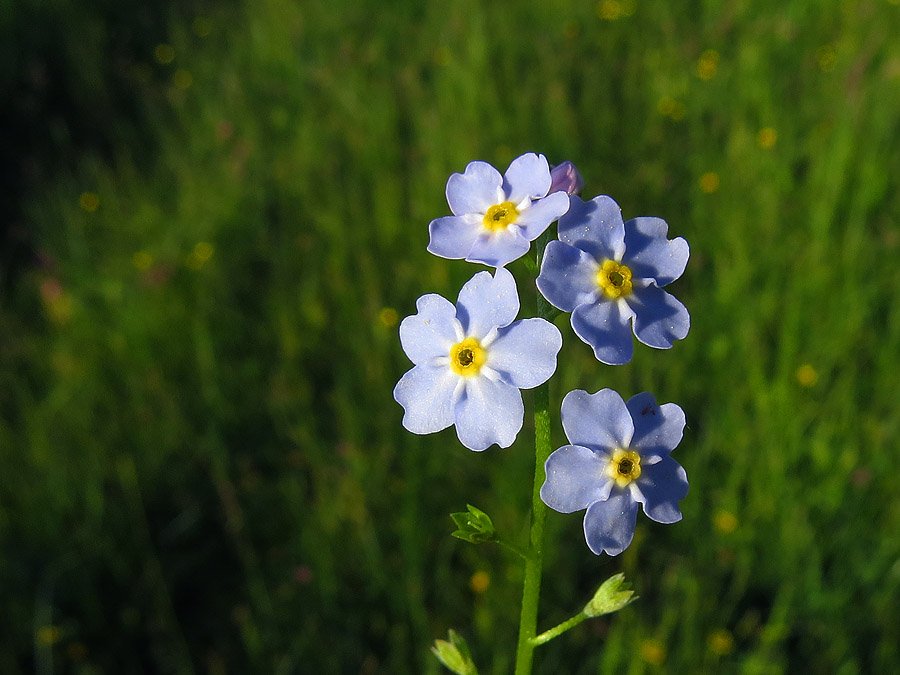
<point x="565" y="178"/>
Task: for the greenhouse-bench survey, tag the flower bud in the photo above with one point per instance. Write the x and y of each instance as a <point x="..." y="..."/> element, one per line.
<point x="565" y="178"/>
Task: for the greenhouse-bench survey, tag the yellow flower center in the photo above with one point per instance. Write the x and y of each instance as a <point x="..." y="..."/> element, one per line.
<point x="499" y="216"/>
<point x="624" y="466"/>
<point x="615" y="279"/>
<point x="467" y="357"/>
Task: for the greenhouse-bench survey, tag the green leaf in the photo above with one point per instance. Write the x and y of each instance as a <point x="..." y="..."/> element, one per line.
<point x="455" y="654"/>
<point x="474" y="526"/>
<point x="613" y="595"/>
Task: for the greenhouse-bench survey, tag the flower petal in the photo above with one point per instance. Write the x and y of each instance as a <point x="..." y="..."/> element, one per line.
<point x="487" y="301"/>
<point x="659" y="317"/>
<point x="597" y="421"/>
<point x="662" y="486"/>
<point x="487" y="413"/>
<point x="609" y="525"/>
<point x="528" y="176"/>
<point x="657" y="429"/>
<point x="650" y="255"/>
<point x="474" y="191"/>
<point x="453" y="236"/>
<point x="525" y="353"/>
<point x="567" y="277"/>
<point x="538" y="216"/>
<point x="427" y="396"/>
<point x="431" y="332"/>
<point x="604" y="326"/>
<point x="576" y="478"/>
<point x="499" y="248"/>
<point x="595" y="226"/>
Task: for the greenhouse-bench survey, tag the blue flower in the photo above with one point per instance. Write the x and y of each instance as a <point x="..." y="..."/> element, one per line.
<point x="495" y="218"/>
<point x="618" y="458"/>
<point x="609" y="273"/>
<point x="471" y="360"/>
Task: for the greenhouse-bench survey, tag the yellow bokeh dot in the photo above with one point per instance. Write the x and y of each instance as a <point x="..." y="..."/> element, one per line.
<point x="182" y="79"/>
<point x="653" y="652"/>
<point x="142" y="260"/>
<point x="47" y="635"/>
<point x="709" y="182"/>
<point x="388" y="316"/>
<point x="201" y="254"/>
<point x="725" y="522"/>
<point x="767" y="137"/>
<point x="164" y="54"/>
<point x="669" y="107"/>
<point x="720" y="642"/>
<point x="708" y="64"/>
<point x="807" y="375"/>
<point x="826" y="56"/>
<point x="201" y="26"/>
<point x="89" y="201"/>
<point x="480" y="581"/>
<point x="609" y="10"/>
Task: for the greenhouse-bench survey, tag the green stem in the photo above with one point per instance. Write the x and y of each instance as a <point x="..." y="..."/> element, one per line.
<point x="548" y="635"/>
<point x="534" y="562"/>
<point x="512" y="547"/>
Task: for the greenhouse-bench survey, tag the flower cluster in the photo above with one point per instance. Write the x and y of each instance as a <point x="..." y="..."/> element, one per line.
<point x="472" y="358"/>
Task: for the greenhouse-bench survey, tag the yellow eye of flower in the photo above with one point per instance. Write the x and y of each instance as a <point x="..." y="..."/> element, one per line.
<point x="624" y="466"/>
<point x="614" y="279"/>
<point x="499" y="216"/>
<point x="467" y="357"/>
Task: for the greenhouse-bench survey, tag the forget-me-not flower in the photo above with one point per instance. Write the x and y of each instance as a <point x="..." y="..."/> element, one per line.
<point x="471" y="360"/>
<point x="495" y="218"/>
<point x="618" y="458"/>
<point x="609" y="273"/>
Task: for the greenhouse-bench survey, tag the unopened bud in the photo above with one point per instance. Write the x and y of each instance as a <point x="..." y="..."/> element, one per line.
<point x="565" y="178"/>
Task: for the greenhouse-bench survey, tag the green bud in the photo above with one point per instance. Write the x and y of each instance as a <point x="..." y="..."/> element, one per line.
<point x="613" y="595"/>
<point x="455" y="654"/>
<point x="474" y="526"/>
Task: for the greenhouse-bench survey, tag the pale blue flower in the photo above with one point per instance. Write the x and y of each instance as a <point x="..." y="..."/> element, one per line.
<point x="495" y="218"/>
<point x="471" y="360"/>
<point x="609" y="274"/>
<point x="618" y="458"/>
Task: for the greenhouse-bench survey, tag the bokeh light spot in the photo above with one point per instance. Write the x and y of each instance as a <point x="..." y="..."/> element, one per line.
<point x="480" y="581"/>
<point x="709" y="182"/>
<point x="708" y="64"/>
<point x="720" y="642"/>
<point x="388" y="316"/>
<point x="807" y="375"/>
<point x="164" y="54"/>
<point x="767" y="137"/>
<point x="725" y="522"/>
<point x="182" y="79"/>
<point x="653" y="652"/>
<point x="201" y="26"/>
<point x="89" y="201"/>
<point x="142" y="260"/>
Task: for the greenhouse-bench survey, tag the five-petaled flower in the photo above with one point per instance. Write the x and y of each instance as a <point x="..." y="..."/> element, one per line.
<point x="495" y="218"/>
<point x="618" y="458"/>
<point x="608" y="273"/>
<point x="471" y="360"/>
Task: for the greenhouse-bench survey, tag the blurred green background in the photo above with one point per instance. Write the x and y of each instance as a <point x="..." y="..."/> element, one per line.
<point x="216" y="215"/>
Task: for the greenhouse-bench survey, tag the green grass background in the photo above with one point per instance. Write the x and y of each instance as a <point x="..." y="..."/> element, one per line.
<point x="202" y="468"/>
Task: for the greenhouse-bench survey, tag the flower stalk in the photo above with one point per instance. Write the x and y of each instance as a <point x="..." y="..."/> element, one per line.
<point x="534" y="563"/>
